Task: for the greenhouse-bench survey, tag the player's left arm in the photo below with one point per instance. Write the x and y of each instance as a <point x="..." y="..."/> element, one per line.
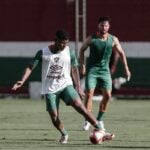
<point x="28" y="70"/>
<point x="118" y="48"/>
<point x="75" y="74"/>
<point x="114" y="62"/>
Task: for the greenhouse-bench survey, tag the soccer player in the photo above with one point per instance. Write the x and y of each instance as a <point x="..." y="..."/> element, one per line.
<point x="97" y="69"/>
<point x="58" y="63"/>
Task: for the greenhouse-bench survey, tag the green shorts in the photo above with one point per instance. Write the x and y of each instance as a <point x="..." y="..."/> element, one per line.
<point x="68" y="95"/>
<point x="92" y="81"/>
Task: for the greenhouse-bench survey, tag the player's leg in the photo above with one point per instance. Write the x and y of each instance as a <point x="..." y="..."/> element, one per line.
<point x="78" y="105"/>
<point x="103" y="106"/>
<point x="102" y="110"/>
<point x="88" y="106"/>
<point x="71" y="97"/>
<point x="88" y="99"/>
<point x="106" y="98"/>
<point x="52" y="104"/>
<point x="106" y="87"/>
<point x="90" y="86"/>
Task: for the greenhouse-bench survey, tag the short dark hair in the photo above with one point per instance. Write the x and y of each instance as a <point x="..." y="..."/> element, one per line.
<point x="104" y="18"/>
<point x="62" y="35"/>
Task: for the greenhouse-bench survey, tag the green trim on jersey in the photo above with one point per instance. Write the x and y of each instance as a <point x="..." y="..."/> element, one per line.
<point x="74" y="61"/>
<point x="38" y="59"/>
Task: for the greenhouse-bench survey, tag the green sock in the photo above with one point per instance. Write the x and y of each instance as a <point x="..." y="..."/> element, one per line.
<point x="100" y="116"/>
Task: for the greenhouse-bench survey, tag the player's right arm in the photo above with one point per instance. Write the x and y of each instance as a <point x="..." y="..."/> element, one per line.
<point x="37" y="59"/>
<point x="83" y="48"/>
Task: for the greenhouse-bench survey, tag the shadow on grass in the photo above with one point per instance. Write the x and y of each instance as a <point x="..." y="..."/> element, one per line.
<point x="72" y="143"/>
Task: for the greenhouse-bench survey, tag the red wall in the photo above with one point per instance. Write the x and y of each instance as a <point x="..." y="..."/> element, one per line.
<point x="31" y="20"/>
<point x="130" y="18"/>
<point x="37" y="20"/>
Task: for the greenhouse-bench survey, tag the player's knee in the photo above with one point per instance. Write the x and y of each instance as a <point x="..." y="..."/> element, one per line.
<point x="78" y="106"/>
<point x="54" y="119"/>
<point x="107" y="96"/>
<point x="56" y="122"/>
<point x="89" y="95"/>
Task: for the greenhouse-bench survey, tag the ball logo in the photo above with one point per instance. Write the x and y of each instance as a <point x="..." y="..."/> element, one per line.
<point x="56" y="67"/>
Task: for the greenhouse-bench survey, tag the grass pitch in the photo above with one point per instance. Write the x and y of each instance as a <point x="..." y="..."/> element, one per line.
<point x="25" y="125"/>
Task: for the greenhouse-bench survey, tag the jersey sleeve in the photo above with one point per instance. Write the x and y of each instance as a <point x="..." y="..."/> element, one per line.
<point x="36" y="60"/>
<point x="74" y="61"/>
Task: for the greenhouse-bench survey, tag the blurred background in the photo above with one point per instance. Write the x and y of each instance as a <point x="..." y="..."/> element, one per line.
<point x="27" y="26"/>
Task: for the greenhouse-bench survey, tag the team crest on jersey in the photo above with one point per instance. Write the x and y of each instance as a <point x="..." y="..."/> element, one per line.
<point x="56" y="59"/>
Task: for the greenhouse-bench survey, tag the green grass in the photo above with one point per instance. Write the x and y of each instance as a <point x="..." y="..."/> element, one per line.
<point x="25" y="125"/>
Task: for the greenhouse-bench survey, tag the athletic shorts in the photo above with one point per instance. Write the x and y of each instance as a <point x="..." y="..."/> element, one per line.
<point x="92" y="81"/>
<point x="68" y="95"/>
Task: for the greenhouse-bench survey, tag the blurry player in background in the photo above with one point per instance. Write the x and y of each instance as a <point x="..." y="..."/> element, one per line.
<point x="97" y="69"/>
<point x="58" y="63"/>
<point x="116" y="82"/>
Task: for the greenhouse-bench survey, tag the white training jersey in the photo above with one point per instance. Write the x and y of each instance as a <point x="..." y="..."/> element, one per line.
<point x="56" y="69"/>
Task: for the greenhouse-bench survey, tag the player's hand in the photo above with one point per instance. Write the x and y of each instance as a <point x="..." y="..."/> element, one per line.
<point x="128" y="74"/>
<point x="128" y="78"/>
<point x="17" y="85"/>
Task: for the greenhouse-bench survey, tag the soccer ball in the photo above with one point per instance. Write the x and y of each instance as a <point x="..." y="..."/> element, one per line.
<point x="96" y="136"/>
